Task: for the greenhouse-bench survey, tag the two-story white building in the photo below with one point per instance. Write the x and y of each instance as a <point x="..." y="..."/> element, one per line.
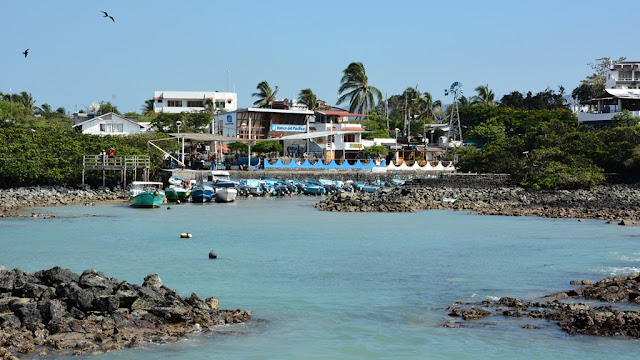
<point x="622" y="87"/>
<point x="175" y="102"/>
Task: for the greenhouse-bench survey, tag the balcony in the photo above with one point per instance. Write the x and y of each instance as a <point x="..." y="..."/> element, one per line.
<point x="589" y="117"/>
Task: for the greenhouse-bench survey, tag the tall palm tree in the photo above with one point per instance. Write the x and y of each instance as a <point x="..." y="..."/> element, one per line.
<point x="25" y="99"/>
<point x="485" y="95"/>
<point x="429" y="108"/>
<point x="308" y="98"/>
<point x="147" y="106"/>
<point x="44" y="110"/>
<point x="265" y="94"/>
<point x="355" y="88"/>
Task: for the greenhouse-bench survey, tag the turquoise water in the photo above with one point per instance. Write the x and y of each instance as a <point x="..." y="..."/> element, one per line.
<point x="338" y="285"/>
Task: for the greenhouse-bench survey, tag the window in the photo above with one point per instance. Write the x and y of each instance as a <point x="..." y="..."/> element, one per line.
<point x="624" y="75"/>
<point x="159" y="101"/>
<point x="112" y="128"/>
<point x="349" y="138"/>
<point x="220" y="104"/>
<point x="195" y="103"/>
<point x="174" y="103"/>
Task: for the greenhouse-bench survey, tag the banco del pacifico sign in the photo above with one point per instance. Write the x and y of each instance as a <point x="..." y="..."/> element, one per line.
<point x="288" y="127"/>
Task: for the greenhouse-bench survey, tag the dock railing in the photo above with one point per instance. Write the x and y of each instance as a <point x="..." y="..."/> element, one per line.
<point x="117" y="163"/>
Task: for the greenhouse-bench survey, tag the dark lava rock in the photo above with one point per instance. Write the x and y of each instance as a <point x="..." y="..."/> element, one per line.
<point x="56" y="309"/>
<point x="574" y="318"/>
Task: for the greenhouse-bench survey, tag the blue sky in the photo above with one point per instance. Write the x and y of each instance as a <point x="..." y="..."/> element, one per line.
<point x="76" y="56"/>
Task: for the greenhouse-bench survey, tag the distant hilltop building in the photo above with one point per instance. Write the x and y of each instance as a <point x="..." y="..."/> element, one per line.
<point x="624" y="75"/>
<point x="622" y="92"/>
<point x="175" y="102"/>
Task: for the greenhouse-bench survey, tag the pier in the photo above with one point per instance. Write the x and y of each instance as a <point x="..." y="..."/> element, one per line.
<point x="133" y="163"/>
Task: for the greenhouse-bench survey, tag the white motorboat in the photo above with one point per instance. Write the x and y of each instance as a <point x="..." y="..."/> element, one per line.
<point x="225" y="194"/>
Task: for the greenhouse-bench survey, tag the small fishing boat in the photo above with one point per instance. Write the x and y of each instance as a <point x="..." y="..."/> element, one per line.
<point x="225" y="194"/>
<point x="176" y="193"/>
<point x="146" y="194"/>
<point x="312" y="187"/>
<point x="220" y="178"/>
<point x="366" y="187"/>
<point x="202" y="193"/>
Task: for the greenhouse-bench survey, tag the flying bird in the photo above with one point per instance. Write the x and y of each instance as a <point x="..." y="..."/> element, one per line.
<point x="25" y="53"/>
<point x="109" y="16"/>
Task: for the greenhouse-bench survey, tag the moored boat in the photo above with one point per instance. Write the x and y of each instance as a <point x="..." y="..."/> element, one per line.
<point x="225" y="194"/>
<point x="312" y="187"/>
<point x="177" y="193"/>
<point x="202" y="193"/>
<point x="146" y="194"/>
<point x="220" y="178"/>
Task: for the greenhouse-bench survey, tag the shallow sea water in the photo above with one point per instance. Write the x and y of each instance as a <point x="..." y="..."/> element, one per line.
<point x="338" y="285"/>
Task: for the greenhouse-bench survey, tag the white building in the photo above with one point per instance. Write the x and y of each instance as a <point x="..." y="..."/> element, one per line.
<point x="175" y="102"/>
<point x="622" y="92"/>
<point x="625" y="75"/>
<point x="107" y="124"/>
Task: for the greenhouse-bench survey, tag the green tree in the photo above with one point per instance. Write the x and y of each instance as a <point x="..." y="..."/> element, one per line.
<point x="355" y="88"/>
<point x="374" y="151"/>
<point x="238" y="146"/>
<point x="594" y="84"/>
<point x="625" y="119"/>
<point x="45" y="111"/>
<point x="487" y="131"/>
<point x="267" y="147"/>
<point x="484" y="95"/>
<point x="308" y="98"/>
<point x="264" y="94"/>
<point x="376" y="126"/>
<point x="547" y="99"/>
<point x="107" y="107"/>
<point x="147" y="106"/>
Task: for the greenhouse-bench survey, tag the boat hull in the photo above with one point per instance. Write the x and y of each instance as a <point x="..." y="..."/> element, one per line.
<point x="225" y="195"/>
<point x="202" y="194"/>
<point x="148" y="199"/>
<point x="175" y="194"/>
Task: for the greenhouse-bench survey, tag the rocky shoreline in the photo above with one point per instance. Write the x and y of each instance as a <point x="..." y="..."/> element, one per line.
<point x="12" y="200"/>
<point x="57" y="310"/>
<point x="606" y="202"/>
<point x="572" y="317"/>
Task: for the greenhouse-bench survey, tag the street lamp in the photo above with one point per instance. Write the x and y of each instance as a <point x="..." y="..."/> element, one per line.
<point x="178" y="124"/>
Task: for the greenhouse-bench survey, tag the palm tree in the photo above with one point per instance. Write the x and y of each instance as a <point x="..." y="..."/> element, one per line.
<point x="485" y="95"/>
<point x="429" y="108"/>
<point x="147" y="106"/>
<point x="355" y="88"/>
<point x="25" y="99"/>
<point x="45" y="111"/>
<point x="308" y="98"/>
<point x="265" y="94"/>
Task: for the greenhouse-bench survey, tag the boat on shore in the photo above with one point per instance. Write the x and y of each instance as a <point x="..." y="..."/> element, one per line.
<point x="146" y="194"/>
<point x="202" y="193"/>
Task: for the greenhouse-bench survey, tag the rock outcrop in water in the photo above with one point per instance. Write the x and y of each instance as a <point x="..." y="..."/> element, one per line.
<point x="574" y="318"/>
<point x="609" y="202"/>
<point x="57" y="309"/>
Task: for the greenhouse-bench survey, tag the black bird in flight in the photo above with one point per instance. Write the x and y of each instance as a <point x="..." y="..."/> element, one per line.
<point x="26" y="52"/>
<point x="109" y="16"/>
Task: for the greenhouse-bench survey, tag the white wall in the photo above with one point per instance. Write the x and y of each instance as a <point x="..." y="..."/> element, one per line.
<point x="184" y="96"/>
<point x="93" y="127"/>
